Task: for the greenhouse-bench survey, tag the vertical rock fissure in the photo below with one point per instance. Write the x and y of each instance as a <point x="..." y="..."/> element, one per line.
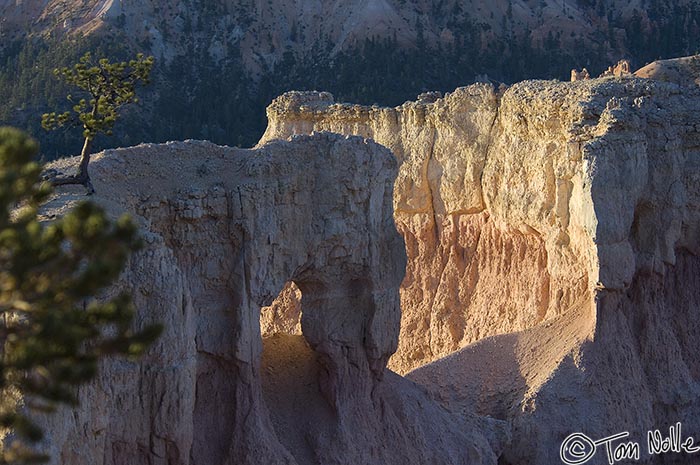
<point x="433" y="206"/>
<point x="487" y="150"/>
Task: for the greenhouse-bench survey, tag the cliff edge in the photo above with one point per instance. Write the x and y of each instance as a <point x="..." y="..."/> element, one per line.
<point x="549" y="235"/>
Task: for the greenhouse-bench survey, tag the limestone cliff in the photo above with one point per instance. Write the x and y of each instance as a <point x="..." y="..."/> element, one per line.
<point x="225" y="229"/>
<point x="683" y="71"/>
<point x="482" y="200"/>
<point x="552" y="233"/>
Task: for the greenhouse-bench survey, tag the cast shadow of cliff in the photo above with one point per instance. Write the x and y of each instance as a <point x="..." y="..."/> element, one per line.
<point x="531" y="379"/>
<point x="626" y="362"/>
<point x="400" y="411"/>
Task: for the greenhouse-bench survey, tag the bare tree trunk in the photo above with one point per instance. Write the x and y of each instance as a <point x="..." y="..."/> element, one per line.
<point x="82" y="176"/>
<point x="3" y="338"/>
<point x="82" y="173"/>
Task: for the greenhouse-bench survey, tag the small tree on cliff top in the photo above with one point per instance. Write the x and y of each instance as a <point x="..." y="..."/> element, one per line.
<point x="52" y="331"/>
<point x="109" y="86"/>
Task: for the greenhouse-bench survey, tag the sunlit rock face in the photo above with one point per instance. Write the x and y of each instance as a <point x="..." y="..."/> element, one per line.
<point x="540" y="260"/>
<point x="225" y="231"/>
<point x="552" y="239"/>
<point x="683" y="71"/>
<point x="488" y="200"/>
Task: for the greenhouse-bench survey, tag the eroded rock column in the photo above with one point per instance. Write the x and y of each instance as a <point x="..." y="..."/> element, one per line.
<point x="329" y="229"/>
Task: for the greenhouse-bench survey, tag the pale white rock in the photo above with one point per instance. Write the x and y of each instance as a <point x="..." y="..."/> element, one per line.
<point x="226" y="230"/>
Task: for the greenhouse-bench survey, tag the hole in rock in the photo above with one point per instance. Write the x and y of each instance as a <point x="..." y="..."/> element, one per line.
<point x="284" y="314"/>
<point x="289" y="374"/>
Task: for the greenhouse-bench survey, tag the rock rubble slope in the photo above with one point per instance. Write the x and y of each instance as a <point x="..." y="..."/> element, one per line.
<point x="552" y="238"/>
<point x="225" y="230"/>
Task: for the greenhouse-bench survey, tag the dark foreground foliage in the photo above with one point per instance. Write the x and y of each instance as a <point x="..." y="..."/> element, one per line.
<point x="53" y="332"/>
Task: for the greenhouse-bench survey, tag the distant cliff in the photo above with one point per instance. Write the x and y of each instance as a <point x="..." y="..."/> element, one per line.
<point x="266" y="30"/>
<point x="219" y="63"/>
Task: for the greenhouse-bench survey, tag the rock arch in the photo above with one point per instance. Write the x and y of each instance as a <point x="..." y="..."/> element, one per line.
<point x="325" y="223"/>
<point x="224" y="230"/>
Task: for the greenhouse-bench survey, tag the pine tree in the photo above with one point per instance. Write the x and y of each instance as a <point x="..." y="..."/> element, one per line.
<point x="109" y="86"/>
<point x="53" y="331"/>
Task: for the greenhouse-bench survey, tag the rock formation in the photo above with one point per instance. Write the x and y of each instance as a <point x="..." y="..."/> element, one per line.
<point x="621" y="69"/>
<point x="225" y="231"/>
<point x="466" y="235"/>
<point x="552" y="233"/>
<point x="579" y="75"/>
<point x="684" y="71"/>
<point x="552" y="239"/>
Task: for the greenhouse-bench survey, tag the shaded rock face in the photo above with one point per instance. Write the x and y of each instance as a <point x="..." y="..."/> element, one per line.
<point x="226" y="230"/>
<point x="555" y="228"/>
<point x="634" y="368"/>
